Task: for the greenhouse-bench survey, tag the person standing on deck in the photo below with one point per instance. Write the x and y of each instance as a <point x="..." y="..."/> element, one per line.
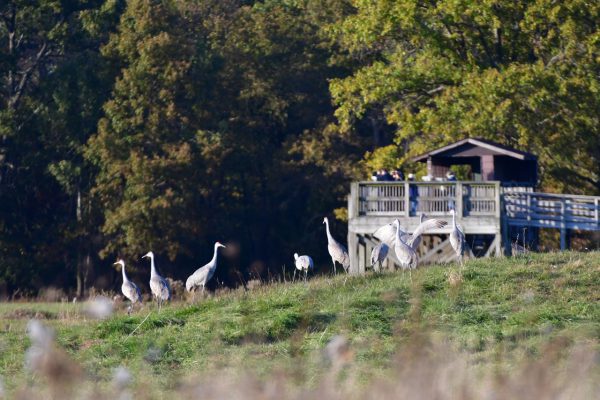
<point x="413" y="193"/>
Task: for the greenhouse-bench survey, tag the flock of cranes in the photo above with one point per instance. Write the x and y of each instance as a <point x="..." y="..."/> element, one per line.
<point x="405" y="247"/>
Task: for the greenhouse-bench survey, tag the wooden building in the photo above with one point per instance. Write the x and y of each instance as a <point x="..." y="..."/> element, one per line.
<point x="488" y="161"/>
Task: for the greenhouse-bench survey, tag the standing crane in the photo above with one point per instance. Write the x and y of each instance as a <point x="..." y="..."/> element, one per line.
<point x="378" y="256"/>
<point x="457" y="238"/>
<point x="406" y="255"/>
<point x="205" y="273"/>
<point x="129" y="289"/>
<point x="303" y="263"/>
<point x="336" y="250"/>
<point x="158" y="285"/>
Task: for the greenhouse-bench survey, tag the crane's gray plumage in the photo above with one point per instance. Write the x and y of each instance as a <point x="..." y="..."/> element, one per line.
<point x="406" y="255"/>
<point x="158" y="285"/>
<point x="378" y="255"/>
<point x="129" y="289"/>
<point x="387" y="233"/>
<point x="336" y="250"/>
<point x="457" y="238"/>
<point x="303" y="263"/>
<point x="205" y="273"/>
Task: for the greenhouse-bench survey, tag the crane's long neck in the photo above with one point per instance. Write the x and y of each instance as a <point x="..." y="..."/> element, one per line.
<point x="152" y="267"/>
<point x="329" y="237"/>
<point x="213" y="262"/>
<point x="398" y="238"/>
<point x="124" y="274"/>
<point x="454" y="219"/>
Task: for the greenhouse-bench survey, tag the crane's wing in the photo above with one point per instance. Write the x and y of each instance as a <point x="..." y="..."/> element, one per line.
<point x="379" y="253"/>
<point x="415" y="238"/>
<point x="131" y="291"/>
<point x="375" y="254"/>
<point x="199" y="277"/>
<point x="337" y="251"/>
<point x="457" y="241"/>
<point x="305" y="262"/>
<point x="340" y="254"/>
<point x="429" y="224"/>
<point x="384" y="251"/>
<point x="165" y="290"/>
<point x="387" y="234"/>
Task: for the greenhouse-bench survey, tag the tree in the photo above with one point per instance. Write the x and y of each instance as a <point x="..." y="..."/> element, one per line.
<point x="42" y="46"/>
<point x="524" y="74"/>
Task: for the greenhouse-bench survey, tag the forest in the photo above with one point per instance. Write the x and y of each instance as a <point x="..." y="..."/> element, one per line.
<point x="165" y="125"/>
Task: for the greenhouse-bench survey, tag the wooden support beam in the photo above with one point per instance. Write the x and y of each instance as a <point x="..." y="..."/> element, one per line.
<point x="431" y="253"/>
<point x="361" y="257"/>
<point x="458" y="205"/>
<point x="563" y="226"/>
<point x="353" y="252"/>
<point x="494" y="247"/>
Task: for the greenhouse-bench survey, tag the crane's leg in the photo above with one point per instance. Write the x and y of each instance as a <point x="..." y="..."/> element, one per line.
<point x="334" y="269"/>
<point x="294" y="277"/>
<point x="306" y="275"/>
<point x="129" y="309"/>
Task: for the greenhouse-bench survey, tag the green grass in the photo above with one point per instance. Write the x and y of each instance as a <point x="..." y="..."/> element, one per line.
<point x="510" y="306"/>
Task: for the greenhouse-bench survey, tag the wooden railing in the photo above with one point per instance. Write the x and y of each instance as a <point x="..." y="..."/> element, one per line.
<point x="432" y="198"/>
<point x="546" y="210"/>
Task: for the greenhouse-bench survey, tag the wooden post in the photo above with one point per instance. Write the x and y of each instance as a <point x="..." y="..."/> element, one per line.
<point x="528" y="201"/>
<point x="407" y="198"/>
<point x="563" y="226"/>
<point x="353" y="252"/>
<point x="361" y="258"/>
<point x="498" y="203"/>
<point x="498" y="214"/>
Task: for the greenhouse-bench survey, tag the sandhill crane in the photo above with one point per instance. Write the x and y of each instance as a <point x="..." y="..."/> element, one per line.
<point x="457" y="238"/>
<point x="158" y="285"/>
<point x="387" y="233"/>
<point x="336" y="250"/>
<point x="303" y="263"/>
<point x="406" y="255"/>
<point x="129" y="289"/>
<point x="378" y="255"/>
<point x="205" y="273"/>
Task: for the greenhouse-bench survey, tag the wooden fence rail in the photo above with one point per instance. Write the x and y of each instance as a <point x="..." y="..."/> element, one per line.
<point x="545" y="210"/>
<point x="432" y="198"/>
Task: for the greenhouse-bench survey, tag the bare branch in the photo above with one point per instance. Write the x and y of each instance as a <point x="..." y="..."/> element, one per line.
<point x="18" y="92"/>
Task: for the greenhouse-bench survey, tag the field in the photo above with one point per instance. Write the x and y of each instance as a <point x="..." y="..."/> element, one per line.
<point x="524" y="327"/>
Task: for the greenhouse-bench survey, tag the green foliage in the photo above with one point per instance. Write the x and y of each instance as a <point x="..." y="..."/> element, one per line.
<point x="523" y="74"/>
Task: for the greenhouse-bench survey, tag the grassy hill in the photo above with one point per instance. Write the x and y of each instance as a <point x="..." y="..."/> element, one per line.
<point x="496" y="316"/>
